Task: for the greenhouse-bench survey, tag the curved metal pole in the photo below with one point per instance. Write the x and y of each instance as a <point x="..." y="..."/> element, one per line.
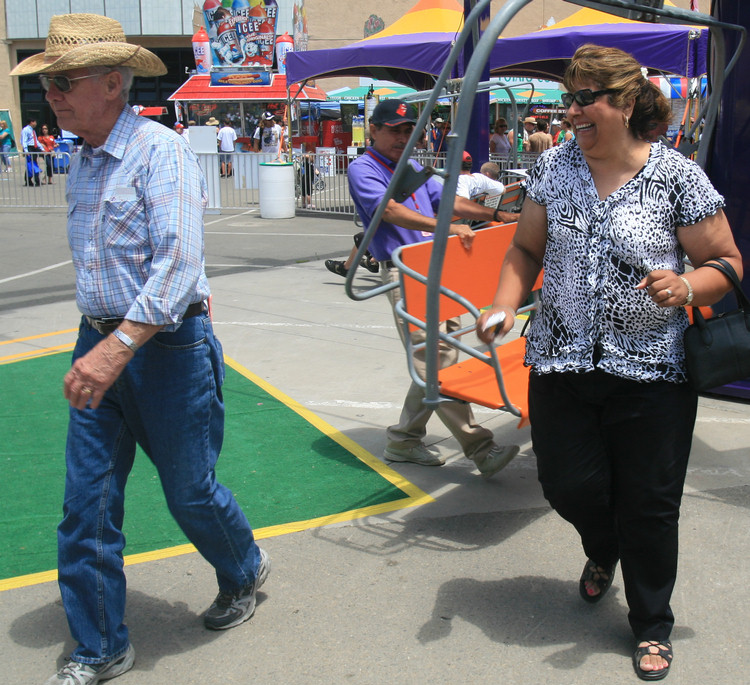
<point x="472" y="76"/>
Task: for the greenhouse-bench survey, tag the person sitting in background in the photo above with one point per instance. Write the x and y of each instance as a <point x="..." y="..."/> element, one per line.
<point x="479" y="184"/>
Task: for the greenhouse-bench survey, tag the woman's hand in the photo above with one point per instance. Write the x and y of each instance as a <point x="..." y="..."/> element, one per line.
<point x="665" y="288"/>
<point x="488" y="336"/>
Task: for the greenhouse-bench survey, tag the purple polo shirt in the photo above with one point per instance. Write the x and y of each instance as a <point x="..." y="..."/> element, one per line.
<point x="369" y="176"/>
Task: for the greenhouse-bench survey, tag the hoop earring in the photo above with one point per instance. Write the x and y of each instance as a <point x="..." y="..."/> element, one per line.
<point x="627" y="121"/>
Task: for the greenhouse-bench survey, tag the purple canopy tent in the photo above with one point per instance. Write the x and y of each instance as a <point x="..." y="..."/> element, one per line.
<point x="415" y="60"/>
<point x="667" y="48"/>
<point x="411" y="51"/>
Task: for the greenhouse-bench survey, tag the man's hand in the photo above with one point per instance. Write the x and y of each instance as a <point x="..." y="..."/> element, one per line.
<point x="507" y="217"/>
<point x="92" y="375"/>
<point x="463" y="232"/>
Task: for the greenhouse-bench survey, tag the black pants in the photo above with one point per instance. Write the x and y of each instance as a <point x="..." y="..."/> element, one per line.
<point x="612" y="456"/>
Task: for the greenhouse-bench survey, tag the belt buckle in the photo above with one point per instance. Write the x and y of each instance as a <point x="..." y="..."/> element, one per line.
<point x="104" y="325"/>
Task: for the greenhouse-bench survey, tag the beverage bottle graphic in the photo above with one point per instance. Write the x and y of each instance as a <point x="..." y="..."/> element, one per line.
<point x="209" y="9"/>
<point x="240" y="9"/>
<point x="284" y="44"/>
<point x="202" y="51"/>
<point x="228" y="44"/>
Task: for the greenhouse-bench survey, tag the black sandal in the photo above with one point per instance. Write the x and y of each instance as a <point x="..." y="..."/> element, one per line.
<point x="663" y="649"/>
<point x="372" y="265"/>
<point x="600" y="576"/>
<point x="336" y="267"/>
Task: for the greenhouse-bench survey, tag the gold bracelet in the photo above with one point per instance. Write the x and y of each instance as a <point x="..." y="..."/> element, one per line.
<point x="689" y="287"/>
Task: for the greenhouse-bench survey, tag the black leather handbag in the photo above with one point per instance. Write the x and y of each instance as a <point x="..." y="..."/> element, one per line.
<point x="717" y="350"/>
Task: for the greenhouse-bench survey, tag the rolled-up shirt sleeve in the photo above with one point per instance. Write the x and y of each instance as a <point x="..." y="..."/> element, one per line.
<point x="174" y="200"/>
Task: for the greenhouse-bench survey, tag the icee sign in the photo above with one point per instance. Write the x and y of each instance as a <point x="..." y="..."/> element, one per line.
<point x="241" y="32"/>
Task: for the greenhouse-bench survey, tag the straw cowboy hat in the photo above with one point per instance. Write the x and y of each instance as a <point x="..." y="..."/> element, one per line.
<point x="213" y="121"/>
<point x="76" y="41"/>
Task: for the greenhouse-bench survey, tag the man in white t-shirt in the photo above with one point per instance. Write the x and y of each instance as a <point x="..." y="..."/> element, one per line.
<point x="473" y="185"/>
<point x="268" y="135"/>
<point x="226" y="137"/>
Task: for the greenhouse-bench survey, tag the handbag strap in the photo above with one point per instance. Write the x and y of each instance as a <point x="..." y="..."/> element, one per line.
<point x="728" y="270"/>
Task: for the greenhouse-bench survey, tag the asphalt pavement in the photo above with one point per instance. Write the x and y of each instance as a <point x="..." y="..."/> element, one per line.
<point x="478" y="586"/>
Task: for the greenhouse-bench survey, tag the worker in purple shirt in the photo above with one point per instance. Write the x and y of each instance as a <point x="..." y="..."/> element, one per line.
<point x="413" y="221"/>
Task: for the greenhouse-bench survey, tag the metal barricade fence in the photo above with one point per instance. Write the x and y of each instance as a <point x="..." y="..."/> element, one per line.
<point x="34" y="180"/>
<point x="237" y="188"/>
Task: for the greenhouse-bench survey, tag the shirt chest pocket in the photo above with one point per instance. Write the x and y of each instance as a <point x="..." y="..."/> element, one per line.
<point x="124" y="223"/>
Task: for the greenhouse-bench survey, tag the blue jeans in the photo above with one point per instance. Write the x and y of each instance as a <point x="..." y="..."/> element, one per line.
<point x="168" y="400"/>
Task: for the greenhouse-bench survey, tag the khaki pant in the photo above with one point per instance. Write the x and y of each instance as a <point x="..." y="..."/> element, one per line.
<point x="458" y="417"/>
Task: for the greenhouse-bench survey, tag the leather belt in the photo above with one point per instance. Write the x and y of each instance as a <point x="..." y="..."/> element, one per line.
<point x="106" y="324"/>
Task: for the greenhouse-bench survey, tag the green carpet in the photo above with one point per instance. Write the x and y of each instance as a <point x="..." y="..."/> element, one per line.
<point x="282" y="468"/>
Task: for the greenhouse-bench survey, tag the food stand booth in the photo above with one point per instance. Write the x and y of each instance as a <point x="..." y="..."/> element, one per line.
<point x="240" y="74"/>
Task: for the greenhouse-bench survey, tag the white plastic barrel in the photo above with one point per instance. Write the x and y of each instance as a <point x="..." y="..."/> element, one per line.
<point x="276" y="190"/>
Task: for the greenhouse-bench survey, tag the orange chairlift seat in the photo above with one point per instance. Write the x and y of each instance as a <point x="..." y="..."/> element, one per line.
<point x="496" y="378"/>
<point x="510" y="200"/>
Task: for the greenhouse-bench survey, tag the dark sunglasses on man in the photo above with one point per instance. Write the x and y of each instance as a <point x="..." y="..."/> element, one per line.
<point x="584" y="97"/>
<point x="63" y="83"/>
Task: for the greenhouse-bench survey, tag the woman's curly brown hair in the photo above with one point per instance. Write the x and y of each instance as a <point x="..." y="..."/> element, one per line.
<point x="618" y="70"/>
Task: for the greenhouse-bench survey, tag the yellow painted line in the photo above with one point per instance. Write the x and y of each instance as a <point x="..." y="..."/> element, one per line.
<point x="37" y="337"/>
<point x="33" y="354"/>
<point x="259" y="533"/>
<point x="363" y="455"/>
<point x="415" y="496"/>
<point x="30" y="579"/>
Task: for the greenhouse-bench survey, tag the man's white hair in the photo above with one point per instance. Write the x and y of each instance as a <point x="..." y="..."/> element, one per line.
<point x="125" y="72"/>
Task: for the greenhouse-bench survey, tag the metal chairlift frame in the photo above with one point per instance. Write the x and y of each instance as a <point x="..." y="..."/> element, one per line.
<point x="405" y="178"/>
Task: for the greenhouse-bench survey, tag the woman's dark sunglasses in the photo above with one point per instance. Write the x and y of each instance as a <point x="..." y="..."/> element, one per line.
<point x="584" y="97"/>
<point x="63" y="83"/>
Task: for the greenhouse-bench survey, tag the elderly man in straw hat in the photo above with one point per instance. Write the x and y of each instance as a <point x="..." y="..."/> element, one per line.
<point x="147" y="368"/>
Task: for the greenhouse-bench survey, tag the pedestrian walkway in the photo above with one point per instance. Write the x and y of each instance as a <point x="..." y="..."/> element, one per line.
<point x="477" y="586"/>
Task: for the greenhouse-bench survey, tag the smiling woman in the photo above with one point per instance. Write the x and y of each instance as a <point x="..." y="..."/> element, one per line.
<point x="611" y="216"/>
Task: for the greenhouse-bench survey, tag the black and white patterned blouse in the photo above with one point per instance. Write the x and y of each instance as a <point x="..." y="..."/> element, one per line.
<point x="598" y="251"/>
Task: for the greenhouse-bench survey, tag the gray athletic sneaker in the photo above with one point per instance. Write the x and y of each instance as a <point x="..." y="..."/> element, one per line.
<point x="232" y="608"/>
<point x="417" y="455"/>
<point x="75" y="673"/>
<point x="497" y="459"/>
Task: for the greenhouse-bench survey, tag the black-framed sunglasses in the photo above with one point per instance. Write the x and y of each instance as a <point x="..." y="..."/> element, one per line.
<point x="63" y="83"/>
<point x="584" y="97"/>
